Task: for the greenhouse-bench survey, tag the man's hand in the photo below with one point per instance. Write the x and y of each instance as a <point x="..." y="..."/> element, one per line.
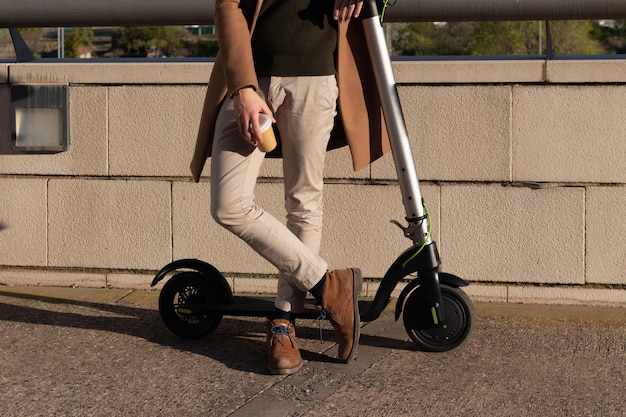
<point x="346" y="9"/>
<point x="247" y="106"/>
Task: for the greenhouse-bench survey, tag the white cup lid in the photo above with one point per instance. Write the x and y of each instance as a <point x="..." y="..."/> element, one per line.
<point x="264" y="122"/>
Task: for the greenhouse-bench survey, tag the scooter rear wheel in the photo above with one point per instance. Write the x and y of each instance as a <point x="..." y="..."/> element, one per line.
<point x="181" y="305"/>
<point x="459" y="317"/>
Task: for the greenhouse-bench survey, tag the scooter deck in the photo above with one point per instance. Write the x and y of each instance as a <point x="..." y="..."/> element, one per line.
<point x="260" y="306"/>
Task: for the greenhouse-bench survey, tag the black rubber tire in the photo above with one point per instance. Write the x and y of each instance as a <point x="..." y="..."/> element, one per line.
<point x="459" y="317"/>
<point x="188" y="288"/>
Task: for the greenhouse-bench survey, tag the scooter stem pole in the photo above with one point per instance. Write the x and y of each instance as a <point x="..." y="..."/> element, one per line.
<point x="394" y="121"/>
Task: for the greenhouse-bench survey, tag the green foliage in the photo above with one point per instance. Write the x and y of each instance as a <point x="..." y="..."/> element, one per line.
<point x="432" y="39"/>
<point x="6" y="45"/>
<point x="207" y="48"/>
<point x="143" y="41"/>
<point x="411" y="39"/>
<point x="418" y="39"/>
<point x="611" y="36"/>
<point x="503" y="38"/>
<point x="506" y="38"/>
<point x="575" y="37"/>
<point x="78" y="37"/>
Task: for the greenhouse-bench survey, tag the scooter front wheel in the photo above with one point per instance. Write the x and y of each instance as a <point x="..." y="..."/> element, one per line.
<point x="182" y="305"/>
<point x="459" y="320"/>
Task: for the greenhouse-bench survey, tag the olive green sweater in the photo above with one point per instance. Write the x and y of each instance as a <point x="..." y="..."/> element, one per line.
<point x="295" y="38"/>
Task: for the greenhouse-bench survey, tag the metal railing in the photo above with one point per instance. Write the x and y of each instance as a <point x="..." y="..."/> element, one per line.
<point x="75" y="13"/>
<point x="32" y="13"/>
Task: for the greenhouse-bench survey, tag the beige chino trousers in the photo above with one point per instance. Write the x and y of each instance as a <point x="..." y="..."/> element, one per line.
<point x="304" y="109"/>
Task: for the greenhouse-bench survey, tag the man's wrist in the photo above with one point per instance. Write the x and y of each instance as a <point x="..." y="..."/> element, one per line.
<point x="237" y="91"/>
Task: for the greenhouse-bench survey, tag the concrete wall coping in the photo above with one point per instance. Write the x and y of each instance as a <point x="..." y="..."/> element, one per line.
<point x="448" y="71"/>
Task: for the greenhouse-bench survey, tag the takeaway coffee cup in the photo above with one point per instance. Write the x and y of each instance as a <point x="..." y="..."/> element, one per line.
<point x="269" y="140"/>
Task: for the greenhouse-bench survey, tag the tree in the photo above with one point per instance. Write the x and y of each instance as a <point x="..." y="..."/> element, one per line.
<point x="569" y="37"/>
<point x="573" y="37"/>
<point x="140" y="41"/>
<point x="503" y="38"/>
<point x="432" y="38"/>
<point x="417" y="39"/>
<point x="207" y="48"/>
<point x="499" y="38"/>
<point x="611" y="34"/>
<point x="78" y="37"/>
<point x="456" y="36"/>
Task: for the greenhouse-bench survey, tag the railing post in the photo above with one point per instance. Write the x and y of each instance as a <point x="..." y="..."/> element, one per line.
<point x="22" y="52"/>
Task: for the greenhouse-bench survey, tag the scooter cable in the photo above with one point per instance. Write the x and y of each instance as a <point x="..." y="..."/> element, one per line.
<point x="426" y="239"/>
<point x="385" y="4"/>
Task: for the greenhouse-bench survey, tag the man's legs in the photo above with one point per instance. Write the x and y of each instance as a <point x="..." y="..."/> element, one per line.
<point x="234" y="170"/>
<point x="235" y="167"/>
<point x="305" y="108"/>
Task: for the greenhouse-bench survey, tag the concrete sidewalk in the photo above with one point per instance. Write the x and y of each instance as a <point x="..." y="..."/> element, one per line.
<point x="86" y="352"/>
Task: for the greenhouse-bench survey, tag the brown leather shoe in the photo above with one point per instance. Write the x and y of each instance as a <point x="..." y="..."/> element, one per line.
<point x="283" y="355"/>
<point x="340" y="305"/>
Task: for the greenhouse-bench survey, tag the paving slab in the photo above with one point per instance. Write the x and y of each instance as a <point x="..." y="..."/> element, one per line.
<point x="90" y="352"/>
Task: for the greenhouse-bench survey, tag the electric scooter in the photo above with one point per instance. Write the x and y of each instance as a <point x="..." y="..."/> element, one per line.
<point x="437" y="314"/>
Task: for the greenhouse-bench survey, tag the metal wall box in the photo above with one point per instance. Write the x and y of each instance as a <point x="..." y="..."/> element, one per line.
<point x="40" y="119"/>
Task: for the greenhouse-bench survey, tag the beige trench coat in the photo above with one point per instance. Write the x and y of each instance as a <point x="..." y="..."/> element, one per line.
<point x="359" y="123"/>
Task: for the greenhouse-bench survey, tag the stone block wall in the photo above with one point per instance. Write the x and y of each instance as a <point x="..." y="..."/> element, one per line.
<point x="522" y="165"/>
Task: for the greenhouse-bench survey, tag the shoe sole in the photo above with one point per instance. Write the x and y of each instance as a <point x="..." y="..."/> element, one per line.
<point x="357" y="283"/>
<point x="285" y="371"/>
